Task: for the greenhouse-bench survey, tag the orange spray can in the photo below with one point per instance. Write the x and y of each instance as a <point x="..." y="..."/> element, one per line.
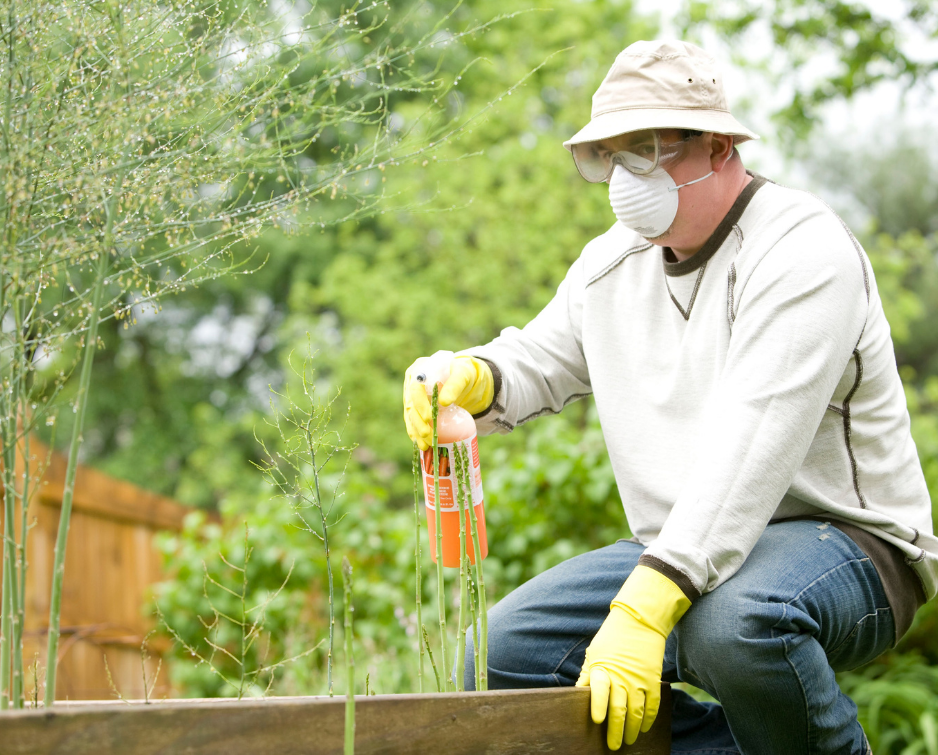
<point x="455" y="428"/>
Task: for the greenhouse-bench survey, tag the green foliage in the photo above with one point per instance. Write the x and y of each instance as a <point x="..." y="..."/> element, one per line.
<point x="898" y="703"/>
<point x="236" y="628"/>
<point x="892" y="181"/>
<point x="408" y="284"/>
<point x="554" y="501"/>
<point x="296" y="465"/>
<point x="366" y="290"/>
<point x="379" y="541"/>
<point x="205" y="560"/>
<point x="865" y="47"/>
<point x="550" y="500"/>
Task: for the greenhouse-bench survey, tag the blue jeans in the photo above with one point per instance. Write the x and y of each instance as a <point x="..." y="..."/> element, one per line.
<point x="766" y="643"/>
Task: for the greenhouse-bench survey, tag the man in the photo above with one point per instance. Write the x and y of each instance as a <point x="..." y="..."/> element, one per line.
<point x="731" y="333"/>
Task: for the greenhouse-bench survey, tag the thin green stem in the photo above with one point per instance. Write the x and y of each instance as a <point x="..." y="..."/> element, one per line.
<point x="426" y="642"/>
<point x="81" y="402"/>
<point x="473" y="609"/>
<point x="482" y="639"/>
<point x="244" y="614"/>
<point x="349" y="660"/>
<point x="325" y="544"/>
<point x="17" y="422"/>
<point x="440" y="585"/>
<point x="19" y="689"/>
<point x="475" y="630"/>
<point x="418" y="479"/>
<point x="6" y="587"/>
<point x="35" y="694"/>
<point x="11" y="563"/>
<point x="459" y="460"/>
<point x="8" y="102"/>
<point x="5" y="637"/>
<point x="10" y="599"/>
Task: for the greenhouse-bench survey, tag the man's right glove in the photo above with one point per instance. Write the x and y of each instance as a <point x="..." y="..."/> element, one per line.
<point x="471" y="385"/>
<point x="623" y="663"/>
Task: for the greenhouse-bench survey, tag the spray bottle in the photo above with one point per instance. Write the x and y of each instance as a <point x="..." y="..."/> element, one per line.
<point x="455" y="426"/>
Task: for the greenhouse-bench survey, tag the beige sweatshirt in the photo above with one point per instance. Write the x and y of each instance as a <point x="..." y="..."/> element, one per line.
<point x="755" y="381"/>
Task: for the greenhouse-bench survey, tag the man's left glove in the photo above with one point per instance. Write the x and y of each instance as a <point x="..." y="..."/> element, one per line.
<point x="471" y="385"/>
<point x="623" y="662"/>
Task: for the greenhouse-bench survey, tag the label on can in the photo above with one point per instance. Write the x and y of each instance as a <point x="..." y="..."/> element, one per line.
<point x="469" y="450"/>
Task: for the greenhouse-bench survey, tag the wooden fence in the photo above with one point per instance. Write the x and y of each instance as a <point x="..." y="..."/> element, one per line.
<point x="111" y="562"/>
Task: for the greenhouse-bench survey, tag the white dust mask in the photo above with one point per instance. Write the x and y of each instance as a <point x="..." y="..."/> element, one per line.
<point x="646" y="204"/>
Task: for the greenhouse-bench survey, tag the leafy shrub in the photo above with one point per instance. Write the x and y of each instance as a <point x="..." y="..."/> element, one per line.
<point x="898" y="704"/>
<point x="556" y="499"/>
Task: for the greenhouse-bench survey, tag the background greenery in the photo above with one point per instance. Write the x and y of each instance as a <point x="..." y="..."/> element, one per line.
<point x="470" y="240"/>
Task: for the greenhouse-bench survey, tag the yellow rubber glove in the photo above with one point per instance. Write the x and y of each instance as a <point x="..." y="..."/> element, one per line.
<point x="623" y="662"/>
<point x="470" y="385"/>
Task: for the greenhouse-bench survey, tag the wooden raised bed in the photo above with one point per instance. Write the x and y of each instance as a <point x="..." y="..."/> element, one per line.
<point x="516" y="722"/>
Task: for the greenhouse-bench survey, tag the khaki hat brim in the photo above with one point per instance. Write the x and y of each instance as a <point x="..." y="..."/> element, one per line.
<point x="623" y="121"/>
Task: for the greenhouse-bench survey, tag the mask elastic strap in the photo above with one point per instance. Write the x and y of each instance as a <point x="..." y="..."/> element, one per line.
<point x="695" y="181"/>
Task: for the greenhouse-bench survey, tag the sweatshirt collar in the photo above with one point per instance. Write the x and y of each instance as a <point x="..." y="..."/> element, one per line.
<point x="717" y="238"/>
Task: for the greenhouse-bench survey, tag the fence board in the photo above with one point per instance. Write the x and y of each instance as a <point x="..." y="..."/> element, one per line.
<point x="517" y="722"/>
<point x="110" y="565"/>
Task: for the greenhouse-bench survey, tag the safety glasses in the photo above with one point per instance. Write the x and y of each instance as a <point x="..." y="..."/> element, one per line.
<point x="640" y="152"/>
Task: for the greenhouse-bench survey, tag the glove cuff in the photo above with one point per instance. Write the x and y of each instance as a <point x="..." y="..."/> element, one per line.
<point x="653" y="599"/>
<point x="483" y="389"/>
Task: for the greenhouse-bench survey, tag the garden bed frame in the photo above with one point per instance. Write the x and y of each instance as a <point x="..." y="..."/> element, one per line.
<point x="516" y="722"/>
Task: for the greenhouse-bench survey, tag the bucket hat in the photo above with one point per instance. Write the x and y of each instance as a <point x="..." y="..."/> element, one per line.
<point x="664" y="84"/>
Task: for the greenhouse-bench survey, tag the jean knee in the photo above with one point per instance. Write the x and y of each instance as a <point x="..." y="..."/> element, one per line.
<point x="507" y="638"/>
<point x="723" y="633"/>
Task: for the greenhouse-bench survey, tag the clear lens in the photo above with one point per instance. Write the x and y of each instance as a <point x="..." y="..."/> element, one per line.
<point x="670" y="154"/>
<point x="639" y="152"/>
<point x="592" y="161"/>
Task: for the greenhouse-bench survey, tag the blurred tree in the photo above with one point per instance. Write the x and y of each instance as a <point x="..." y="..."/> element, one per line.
<point x="497" y="218"/>
<point x="365" y="290"/>
<point x="820" y="50"/>
<point x="891" y="179"/>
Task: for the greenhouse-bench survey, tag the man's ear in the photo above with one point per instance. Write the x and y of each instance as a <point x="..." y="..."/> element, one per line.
<point x="721" y="150"/>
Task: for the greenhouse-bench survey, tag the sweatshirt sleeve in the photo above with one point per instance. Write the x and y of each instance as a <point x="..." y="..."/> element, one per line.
<point x="540" y="368"/>
<point x="800" y="318"/>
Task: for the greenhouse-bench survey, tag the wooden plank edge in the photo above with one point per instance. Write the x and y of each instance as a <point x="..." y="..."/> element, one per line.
<point x="511" y="721"/>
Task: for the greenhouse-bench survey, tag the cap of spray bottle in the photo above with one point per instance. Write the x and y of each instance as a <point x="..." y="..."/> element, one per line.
<point x="433" y="370"/>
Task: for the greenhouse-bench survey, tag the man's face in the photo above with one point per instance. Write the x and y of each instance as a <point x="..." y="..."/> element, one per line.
<point x="684" y="160"/>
